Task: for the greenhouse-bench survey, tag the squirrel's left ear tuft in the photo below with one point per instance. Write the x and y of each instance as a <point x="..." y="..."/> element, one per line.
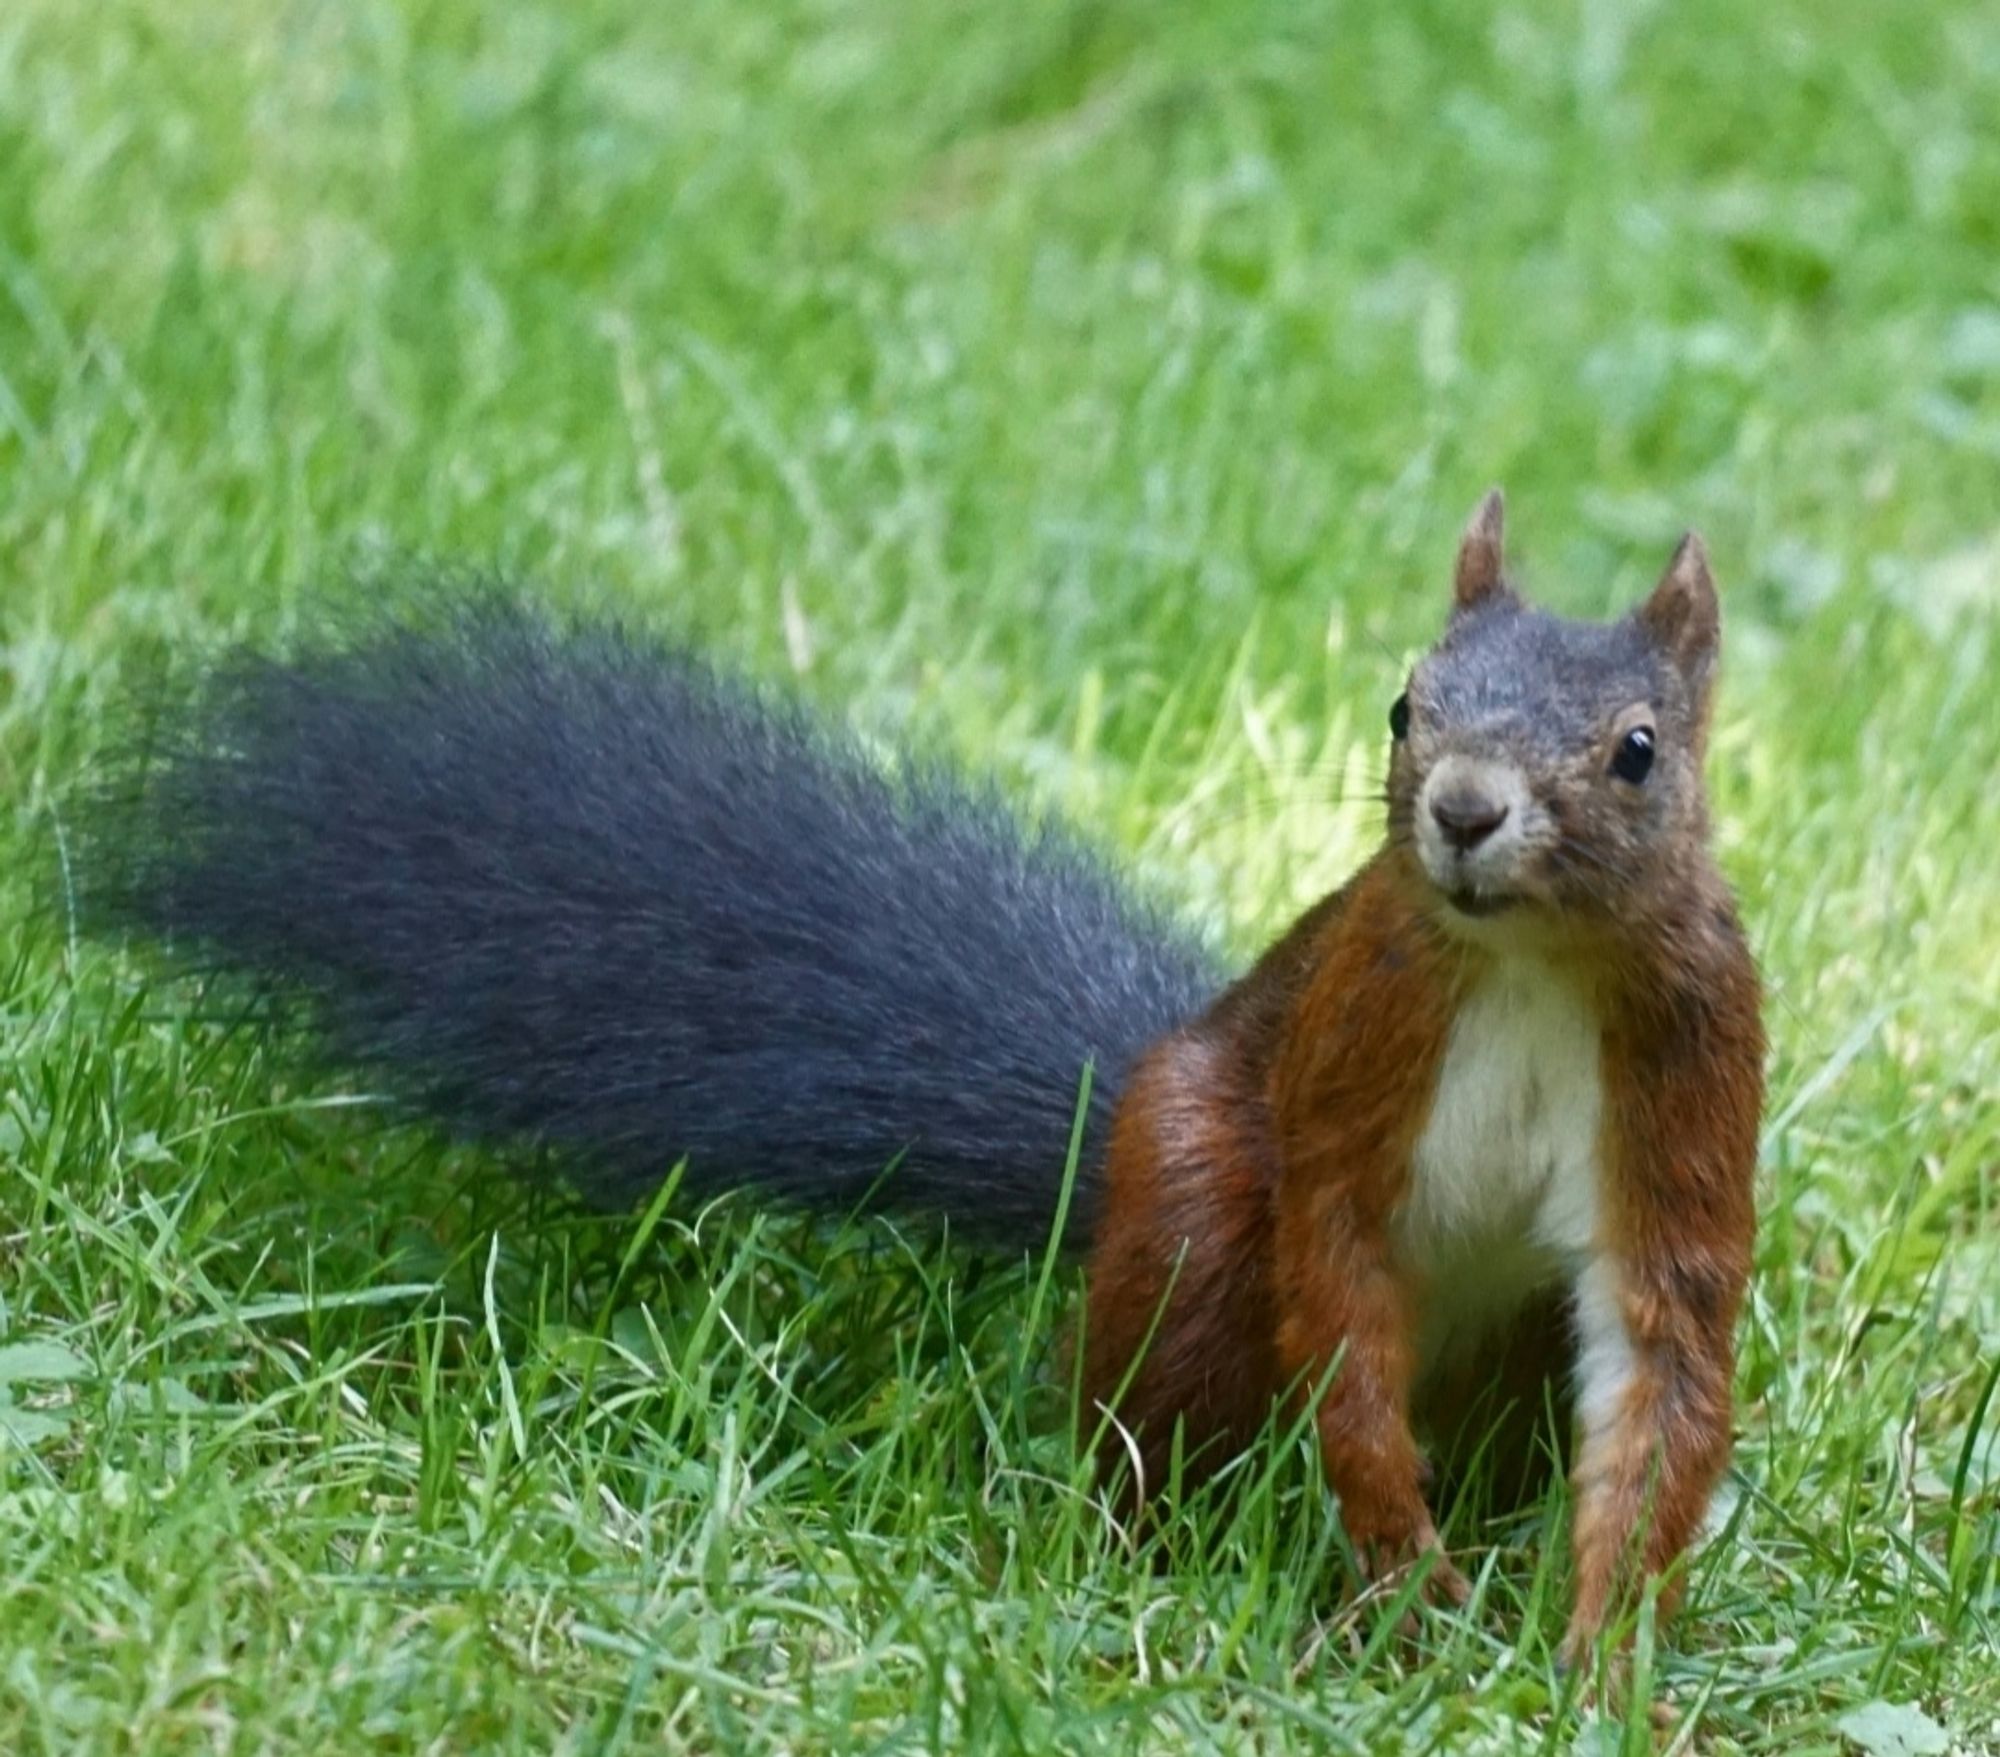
<point x="1684" y="616"/>
<point x="1477" y="579"/>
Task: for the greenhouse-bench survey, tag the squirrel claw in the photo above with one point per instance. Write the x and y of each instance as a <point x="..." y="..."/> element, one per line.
<point x="1607" y="1690"/>
<point x="1386" y="1568"/>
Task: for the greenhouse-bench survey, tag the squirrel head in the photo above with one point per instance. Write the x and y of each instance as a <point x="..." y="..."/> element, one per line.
<point x="1542" y="765"/>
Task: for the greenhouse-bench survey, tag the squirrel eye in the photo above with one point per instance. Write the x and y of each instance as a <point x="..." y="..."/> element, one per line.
<point x="1399" y="718"/>
<point x="1634" y="757"/>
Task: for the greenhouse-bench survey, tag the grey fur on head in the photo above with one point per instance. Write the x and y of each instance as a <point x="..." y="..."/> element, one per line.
<point x="1543" y="705"/>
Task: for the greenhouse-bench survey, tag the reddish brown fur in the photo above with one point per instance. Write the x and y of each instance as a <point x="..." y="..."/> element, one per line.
<point x="1684" y="1056"/>
<point x="1180" y="1278"/>
<point x="1254" y="1166"/>
<point x="1348" y="1092"/>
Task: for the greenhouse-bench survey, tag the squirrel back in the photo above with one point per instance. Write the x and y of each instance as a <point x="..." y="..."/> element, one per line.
<point x="567" y="886"/>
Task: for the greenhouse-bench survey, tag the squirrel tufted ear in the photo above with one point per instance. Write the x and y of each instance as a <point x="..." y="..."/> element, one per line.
<point x="1478" y="578"/>
<point x="1684" y="616"/>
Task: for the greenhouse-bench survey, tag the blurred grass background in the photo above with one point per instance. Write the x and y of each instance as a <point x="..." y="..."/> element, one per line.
<point x="1091" y="389"/>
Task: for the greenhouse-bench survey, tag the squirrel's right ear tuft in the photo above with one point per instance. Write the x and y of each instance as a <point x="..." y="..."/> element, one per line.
<point x="1478" y="578"/>
<point x="1684" y="614"/>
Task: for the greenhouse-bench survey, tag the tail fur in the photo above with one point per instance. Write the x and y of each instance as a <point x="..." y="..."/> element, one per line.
<point x="565" y="886"/>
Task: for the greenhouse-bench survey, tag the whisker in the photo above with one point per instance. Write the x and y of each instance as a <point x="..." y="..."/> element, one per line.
<point x="1228" y="809"/>
<point x="1592" y="884"/>
<point x="1583" y="851"/>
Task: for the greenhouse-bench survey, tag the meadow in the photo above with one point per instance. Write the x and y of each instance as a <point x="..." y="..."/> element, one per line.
<point x="1090" y="391"/>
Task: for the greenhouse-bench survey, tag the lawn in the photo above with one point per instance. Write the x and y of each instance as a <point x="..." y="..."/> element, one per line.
<point x="1091" y="390"/>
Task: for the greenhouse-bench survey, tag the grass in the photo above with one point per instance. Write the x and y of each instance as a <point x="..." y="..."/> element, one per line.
<point x="1091" y="389"/>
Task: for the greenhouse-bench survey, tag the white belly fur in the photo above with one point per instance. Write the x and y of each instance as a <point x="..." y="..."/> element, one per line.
<point x="1504" y="1193"/>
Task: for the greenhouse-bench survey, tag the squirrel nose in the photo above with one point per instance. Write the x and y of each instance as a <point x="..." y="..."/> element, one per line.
<point x="1467" y="817"/>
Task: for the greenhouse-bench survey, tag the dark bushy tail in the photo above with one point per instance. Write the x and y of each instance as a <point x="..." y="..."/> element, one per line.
<point x="566" y="887"/>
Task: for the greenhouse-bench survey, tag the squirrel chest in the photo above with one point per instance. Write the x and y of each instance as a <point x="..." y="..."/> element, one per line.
<point x="1503" y="1198"/>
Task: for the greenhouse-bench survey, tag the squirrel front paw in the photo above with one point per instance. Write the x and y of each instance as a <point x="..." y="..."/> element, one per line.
<point x="1387" y="1565"/>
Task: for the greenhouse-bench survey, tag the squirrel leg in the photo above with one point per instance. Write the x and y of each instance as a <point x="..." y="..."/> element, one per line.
<point x="1656" y="1309"/>
<point x="1655" y="1400"/>
<point x="1178" y="1322"/>
<point x="1343" y="1337"/>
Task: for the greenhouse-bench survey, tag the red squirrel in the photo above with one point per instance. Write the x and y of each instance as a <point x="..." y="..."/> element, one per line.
<point x="1475" y="1135"/>
<point x="1485" y="1117"/>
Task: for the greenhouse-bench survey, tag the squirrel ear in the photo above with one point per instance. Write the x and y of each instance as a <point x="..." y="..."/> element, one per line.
<point x="1477" y="578"/>
<point x="1684" y="616"/>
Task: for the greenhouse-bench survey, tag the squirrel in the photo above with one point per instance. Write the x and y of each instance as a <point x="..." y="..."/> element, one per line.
<point x="1472" y="1142"/>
